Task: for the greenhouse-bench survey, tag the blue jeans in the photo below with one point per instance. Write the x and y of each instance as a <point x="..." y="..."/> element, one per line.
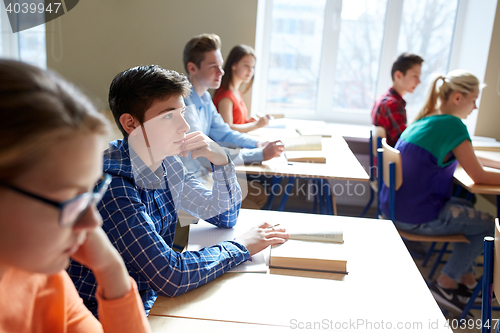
<point x="457" y="217"/>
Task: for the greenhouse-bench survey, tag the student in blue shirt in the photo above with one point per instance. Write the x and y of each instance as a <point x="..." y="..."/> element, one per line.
<point x="203" y="62"/>
<point x="430" y="149"/>
<point x="150" y="183"/>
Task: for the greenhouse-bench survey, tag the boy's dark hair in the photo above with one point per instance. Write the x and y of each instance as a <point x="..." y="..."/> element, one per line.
<point x="195" y="49"/>
<point x="404" y="62"/>
<point x="134" y="91"/>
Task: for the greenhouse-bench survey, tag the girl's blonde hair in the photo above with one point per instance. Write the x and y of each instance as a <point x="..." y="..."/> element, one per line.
<point x="38" y="108"/>
<point x="458" y="80"/>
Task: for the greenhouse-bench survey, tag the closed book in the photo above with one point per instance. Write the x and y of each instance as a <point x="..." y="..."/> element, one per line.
<point x="305" y="156"/>
<point x="313" y="245"/>
<point x="307" y="255"/>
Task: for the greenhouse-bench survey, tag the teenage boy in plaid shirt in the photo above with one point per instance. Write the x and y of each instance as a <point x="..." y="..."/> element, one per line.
<point x="389" y="110"/>
<point x="150" y="184"/>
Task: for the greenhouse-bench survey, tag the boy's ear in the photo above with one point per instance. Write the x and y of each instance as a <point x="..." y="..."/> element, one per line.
<point x="398" y="75"/>
<point x="192" y="68"/>
<point x="129" y="123"/>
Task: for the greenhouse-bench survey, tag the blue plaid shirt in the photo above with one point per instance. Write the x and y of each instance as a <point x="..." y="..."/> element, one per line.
<point x="139" y="212"/>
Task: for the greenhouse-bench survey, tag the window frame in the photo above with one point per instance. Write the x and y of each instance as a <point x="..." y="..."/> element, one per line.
<point x="324" y="109"/>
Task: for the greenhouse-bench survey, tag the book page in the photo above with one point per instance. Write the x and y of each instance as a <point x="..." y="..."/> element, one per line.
<point x="322" y="231"/>
<point x="205" y="234"/>
<point x="309" y="142"/>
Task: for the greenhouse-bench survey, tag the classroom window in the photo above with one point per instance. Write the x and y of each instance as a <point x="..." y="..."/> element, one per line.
<point x="331" y="59"/>
<point x="295" y="49"/>
<point x="427" y="28"/>
<point x="27" y="45"/>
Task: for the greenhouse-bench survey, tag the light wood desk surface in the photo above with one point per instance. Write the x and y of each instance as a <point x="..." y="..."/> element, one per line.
<point x="383" y="284"/>
<point x="340" y="164"/>
<point x="463" y="178"/>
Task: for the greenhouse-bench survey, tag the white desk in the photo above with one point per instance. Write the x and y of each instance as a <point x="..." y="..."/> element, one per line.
<point x="383" y="287"/>
<point x="463" y="178"/>
<point x="340" y="164"/>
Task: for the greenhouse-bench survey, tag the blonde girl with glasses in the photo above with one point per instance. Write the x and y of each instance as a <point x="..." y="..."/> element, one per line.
<point x="50" y="159"/>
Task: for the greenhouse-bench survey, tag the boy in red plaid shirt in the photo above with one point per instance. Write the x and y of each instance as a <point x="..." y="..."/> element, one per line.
<point x="389" y="109"/>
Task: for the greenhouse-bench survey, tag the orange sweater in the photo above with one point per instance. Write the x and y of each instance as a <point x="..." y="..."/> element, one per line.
<point x="31" y="302"/>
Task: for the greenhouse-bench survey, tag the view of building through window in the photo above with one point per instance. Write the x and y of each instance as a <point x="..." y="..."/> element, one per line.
<point x="32" y="46"/>
<point x="358" y="53"/>
<point x="300" y="36"/>
<point x="295" y="53"/>
<point x="27" y="45"/>
<point x="427" y="28"/>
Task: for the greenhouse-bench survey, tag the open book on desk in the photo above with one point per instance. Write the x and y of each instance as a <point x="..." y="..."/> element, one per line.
<point x="302" y="143"/>
<point x="316" y="246"/>
<point x="485" y="144"/>
<point x="204" y="234"/>
<point x="308" y="131"/>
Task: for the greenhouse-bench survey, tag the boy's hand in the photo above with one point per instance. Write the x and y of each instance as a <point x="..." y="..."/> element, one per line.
<point x="271" y="149"/>
<point x="201" y="145"/>
<point x="260" y="237"/>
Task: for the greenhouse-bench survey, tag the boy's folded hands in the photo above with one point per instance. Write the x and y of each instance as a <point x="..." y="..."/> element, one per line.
<point x="198" y="144"/>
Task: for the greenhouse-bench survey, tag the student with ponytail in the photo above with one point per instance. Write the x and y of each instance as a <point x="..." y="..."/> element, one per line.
<point x="431" y="147"/>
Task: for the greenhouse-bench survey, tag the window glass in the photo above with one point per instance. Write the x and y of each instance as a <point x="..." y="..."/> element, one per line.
<point x="32" y="44"/>
<point x="427" y="29"/>
<point x="295" y="54"/>
<point x="358" y="53"/>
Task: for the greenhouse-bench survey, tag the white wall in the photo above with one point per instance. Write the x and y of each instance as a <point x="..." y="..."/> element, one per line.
<point x="98" y="39"/>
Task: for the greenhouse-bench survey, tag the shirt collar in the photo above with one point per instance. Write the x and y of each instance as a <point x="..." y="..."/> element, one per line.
<point x="197" y="100"/>
<point x="394" y="93"/>
<point x="143" y="176"/>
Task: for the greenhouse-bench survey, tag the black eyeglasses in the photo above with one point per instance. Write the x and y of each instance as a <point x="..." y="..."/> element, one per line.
<point x="70" y="210"/>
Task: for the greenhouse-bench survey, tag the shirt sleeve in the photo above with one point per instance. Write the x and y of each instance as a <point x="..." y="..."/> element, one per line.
<point x="221" y="132"/>
<point x="146" y="253"/>
<point x="111" y="312"/>
<point x="219" y="206"/>
<point x="250" y="156"/>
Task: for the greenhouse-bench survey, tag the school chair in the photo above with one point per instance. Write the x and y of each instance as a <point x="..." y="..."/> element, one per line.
<point x="391" y="174"/>
<point x="375" y="142"/>
<point x="488" y="283"/>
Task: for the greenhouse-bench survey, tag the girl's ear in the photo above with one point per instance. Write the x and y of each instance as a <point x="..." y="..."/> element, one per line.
<point x="456" y="97"/>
